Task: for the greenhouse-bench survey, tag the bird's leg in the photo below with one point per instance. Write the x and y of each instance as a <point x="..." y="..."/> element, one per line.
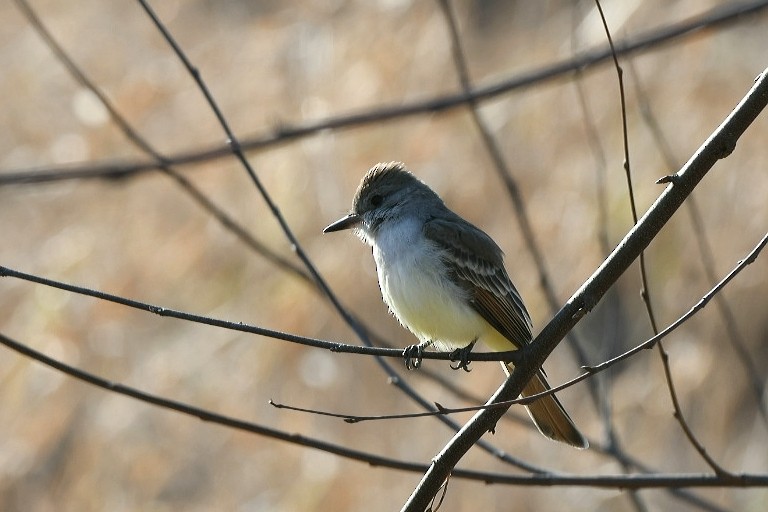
<point x="461" y="356"/>
<point x="412" y="354"/>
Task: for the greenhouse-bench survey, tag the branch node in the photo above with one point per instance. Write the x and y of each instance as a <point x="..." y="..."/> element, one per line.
<point x="669" y="178"/>
<point x="579" y="313"/>
<point x="727" y="147"/>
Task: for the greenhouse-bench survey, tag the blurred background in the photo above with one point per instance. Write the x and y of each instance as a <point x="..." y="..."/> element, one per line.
<point x="65" y="445"/>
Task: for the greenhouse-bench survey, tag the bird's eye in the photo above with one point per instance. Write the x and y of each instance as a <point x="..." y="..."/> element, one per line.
<point x="376" y="200"/>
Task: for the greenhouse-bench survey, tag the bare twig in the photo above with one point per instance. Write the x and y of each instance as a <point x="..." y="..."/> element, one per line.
<point x="705" y="251"/>
<point x="513" y="190"/>
<point x="715" y="18"/>
<point x="674" y="325"/>
<point x="637" y="501"/>
<point x="591" y="370"/>
<point x="237" y="150"/>
<point x="510" y="356"/>
<point x="521" y="214"/>
<point x="222" y="217"/>
<point x="205" y="414"/>
<point x="645" y="292"/>
<point x="549" y="479"/>
<point x="161" y="161"/>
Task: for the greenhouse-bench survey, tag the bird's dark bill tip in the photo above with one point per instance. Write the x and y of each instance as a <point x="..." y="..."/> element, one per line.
<point x="346" y="222"/>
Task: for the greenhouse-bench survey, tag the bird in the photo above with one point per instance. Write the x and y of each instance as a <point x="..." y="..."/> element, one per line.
<point x="444" y="280"/>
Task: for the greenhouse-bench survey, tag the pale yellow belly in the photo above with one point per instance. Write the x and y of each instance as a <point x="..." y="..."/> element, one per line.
<point x="419" y="293"/>
<point x="428" y="304"/>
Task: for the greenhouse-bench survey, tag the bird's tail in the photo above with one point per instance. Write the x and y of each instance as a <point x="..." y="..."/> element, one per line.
<point x="549" y="415"/>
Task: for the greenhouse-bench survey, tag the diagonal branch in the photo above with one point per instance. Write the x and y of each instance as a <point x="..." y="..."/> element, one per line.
<point x="705" y="250"/>
<point x="236" y="148"/>
<point x="218" y="213"/>
<point x="645" y="292"/>
<point x="719" y="145"/>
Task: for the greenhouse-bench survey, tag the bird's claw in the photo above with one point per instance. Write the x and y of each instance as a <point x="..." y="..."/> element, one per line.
<point x="461" y="356"/>
<point x="412" y="355"/>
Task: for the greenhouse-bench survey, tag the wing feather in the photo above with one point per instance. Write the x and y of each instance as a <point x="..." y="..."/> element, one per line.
<point x="476" y="263"/>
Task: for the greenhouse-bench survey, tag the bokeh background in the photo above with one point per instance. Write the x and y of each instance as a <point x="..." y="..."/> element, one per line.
<point x="65" y="445"/>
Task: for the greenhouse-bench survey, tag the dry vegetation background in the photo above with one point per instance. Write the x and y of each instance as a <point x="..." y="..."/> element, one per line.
<point x="67" y="446"/>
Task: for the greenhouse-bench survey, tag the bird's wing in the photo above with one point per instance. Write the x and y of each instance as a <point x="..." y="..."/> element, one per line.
<point x="475" y="262"/>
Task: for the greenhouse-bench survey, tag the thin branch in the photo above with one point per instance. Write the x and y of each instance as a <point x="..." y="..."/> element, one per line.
<point x="591" y="370"/>
<point x="645" y="292"/>
<point x="4" y="271"/>
<point x="161" y="161"/>
<point x="639" y="504"/>
<point x="614" y="301"/>
<point x="237" y="150"/>
<point x="705" y="250"/>
<point x="715" y="18"/>
<point x="678" y="414"/>
<point x="222" y="217"/>
<point x="677" y="323"/>
<point x="204" y="414"/>
<point x="513" y="190"/>
<point x="493" y="148"/>
<point x="719" y="145"/>
<point x="698" y="446"/>
<point x="722" y="305"/>
<point x="604" y="481"/>
<point x="510" y="356"/>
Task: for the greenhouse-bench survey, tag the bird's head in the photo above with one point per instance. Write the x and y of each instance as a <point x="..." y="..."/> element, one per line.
<point x="388" y="191"/>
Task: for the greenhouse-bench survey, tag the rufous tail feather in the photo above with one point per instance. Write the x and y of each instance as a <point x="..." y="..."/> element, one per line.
<point x="549" y="415"/>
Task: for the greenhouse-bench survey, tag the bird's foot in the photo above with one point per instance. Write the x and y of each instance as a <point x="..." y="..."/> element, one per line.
<point x="461" y="356"/>
<point x="412" y="354"/>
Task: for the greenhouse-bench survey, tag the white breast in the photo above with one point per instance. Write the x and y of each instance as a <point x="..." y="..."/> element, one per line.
<point x="415" y="286"/>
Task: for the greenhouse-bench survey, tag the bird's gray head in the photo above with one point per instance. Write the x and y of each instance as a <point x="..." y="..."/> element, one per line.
<point x="388" y="190"/>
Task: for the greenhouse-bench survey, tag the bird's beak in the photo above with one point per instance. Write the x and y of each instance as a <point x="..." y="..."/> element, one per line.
<point x="346" y="222"/>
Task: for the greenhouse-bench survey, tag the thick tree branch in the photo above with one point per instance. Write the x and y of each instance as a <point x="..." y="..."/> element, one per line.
<point x="719" y="145"/>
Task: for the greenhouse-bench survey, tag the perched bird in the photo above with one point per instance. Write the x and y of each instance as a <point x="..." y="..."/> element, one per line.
<point x="444" y="279"/>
